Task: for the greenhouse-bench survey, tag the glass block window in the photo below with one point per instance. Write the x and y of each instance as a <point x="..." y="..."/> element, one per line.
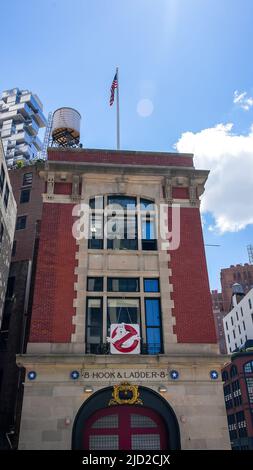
<point x="109" y="422"/>
<point x="104" y="442"/>
<point x="248" y="367"/>
<point x="249" y="382"/>
<point x="141" y="421"/>
<point x="145" y="442"/>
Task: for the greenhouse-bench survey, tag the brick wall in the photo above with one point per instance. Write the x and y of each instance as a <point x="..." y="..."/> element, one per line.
<point x="54" y="283"/>
<point x="191" y="294"/>
<point x="121" y="157"/>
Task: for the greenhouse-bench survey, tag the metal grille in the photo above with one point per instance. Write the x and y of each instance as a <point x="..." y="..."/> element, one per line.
<point x="103" y="442"/>
<point x="146" y="442"/>
<point x="139" y="421"/>
<point x="109" y="422"/>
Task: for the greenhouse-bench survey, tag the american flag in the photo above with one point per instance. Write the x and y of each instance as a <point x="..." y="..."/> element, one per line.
<point x="113" y="87"/>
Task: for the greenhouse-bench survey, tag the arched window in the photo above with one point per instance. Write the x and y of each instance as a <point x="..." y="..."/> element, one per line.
<point x="224" y="376"/>
<point x="233" y="371"/>
<point x="120" y="222"/>
<point x="248" y="367"/>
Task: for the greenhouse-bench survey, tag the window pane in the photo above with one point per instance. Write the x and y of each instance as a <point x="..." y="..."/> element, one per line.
<point x="6" y="195"/>
<point x="96" y="231"/>
<point x="152" y="312"/>
<point x="122" y="233"/>
<point x="97" y="202"/>
<point x="151" y="285"/>
<point x="21" y="222"/>
<point x="123" y="284"/>
<point x="94" y="324"/>
<point x="154" y="340"/>
<point x="27" y="179"/>
<point x="125" y="202"/>
<point x="123" y="311"/>
<point x="147" y="205"/>
<point x="95" y="284"/>
<point x="25" y="195"/>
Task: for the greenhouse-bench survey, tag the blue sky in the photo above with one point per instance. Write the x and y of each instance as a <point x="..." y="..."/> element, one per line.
<point x="187" y="57"/>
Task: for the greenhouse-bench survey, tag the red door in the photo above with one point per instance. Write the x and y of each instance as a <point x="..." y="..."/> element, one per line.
<point x="125" y="427"/>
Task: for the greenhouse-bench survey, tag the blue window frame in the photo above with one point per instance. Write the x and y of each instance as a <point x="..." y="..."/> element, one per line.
<point x="153" y="326"/>
<point x="151" y="285"/>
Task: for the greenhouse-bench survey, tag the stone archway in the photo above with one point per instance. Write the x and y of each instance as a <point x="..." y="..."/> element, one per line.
<point x="150" y="425"/>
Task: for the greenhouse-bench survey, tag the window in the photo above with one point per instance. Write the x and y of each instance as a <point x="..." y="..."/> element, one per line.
<point x="148" y="233"/>
<point x="241" y="312"/>
<point x="225" y="377"/>
<point x="122" y="202"/>
<point x="232" y="427"/>
<point x="234" y="334"/>
<point x="122" y="232"/>
<point x="122" y="310"/>
<point x="237" y="316"/>
<point x="241" y="424"/>
<point x="249" y="381"/>
<point x="153" y="326"/>
<point x="236" y="393"/>
<point x="95" y="284"/>
<point x="248" y="367"/>
<point x="94" y="325"/>
<point x="27" y="179"/>
<point x="10" y="287"/>
<point x="239" y="328"/>
<point x="123" y="284"/>
<point x="25" y="195"/>
<point x="233" y="371"/>
<point x="147" y="205"/>
<point x="226" y="325"/>
<point x="244" y="327"/>
<point x="21" y="222"/>
<point x="6" y="195"/>
<point x="250" y="304"/>
<point x="14" y="248"/>
<point x="1" y="233"/>
<point x="2" y="179"/>
<point x="232" y="321"/>
<point x="96" y="232"/>
<point x="228" y="338"/>
<point x="151" y="285"/>
<point x="120" y="218"/>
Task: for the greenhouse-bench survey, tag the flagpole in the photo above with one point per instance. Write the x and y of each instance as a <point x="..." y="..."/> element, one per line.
<point x="118" y="127"/>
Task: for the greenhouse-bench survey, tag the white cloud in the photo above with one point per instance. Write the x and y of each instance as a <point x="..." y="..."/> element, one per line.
<point x="242" y="100"/>
<point x="229" y="189"/>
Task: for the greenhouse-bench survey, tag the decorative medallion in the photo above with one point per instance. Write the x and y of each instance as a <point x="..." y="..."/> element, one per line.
<point x="74" y="375"/>
<point x="32" y="375"/>
<point x="214" y="374"/>
<point x="125" y="394"/>
<point x="174" y="374"/>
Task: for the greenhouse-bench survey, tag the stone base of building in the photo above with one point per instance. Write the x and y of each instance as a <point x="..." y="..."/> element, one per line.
<point x="63" y="392"/>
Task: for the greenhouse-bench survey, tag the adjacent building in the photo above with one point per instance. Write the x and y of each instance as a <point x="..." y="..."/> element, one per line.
<point x="238" y="392"/>
<point x="21" y="117"/>
<point x="218" y="314"/>
<point x="7" y="227"/>
<point x="27" y="189"/>
<point x="241" y="274"/>
<point x="114" y="284"/>
<point x="238" y="323"/>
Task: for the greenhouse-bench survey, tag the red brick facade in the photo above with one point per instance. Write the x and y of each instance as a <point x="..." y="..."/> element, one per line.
<point x="54" y="289"/>
<point x="191" y="295"/>
<point x="126" y="157"/>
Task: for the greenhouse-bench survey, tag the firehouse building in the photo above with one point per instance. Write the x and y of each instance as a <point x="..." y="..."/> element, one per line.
<point x="122" y="351"/>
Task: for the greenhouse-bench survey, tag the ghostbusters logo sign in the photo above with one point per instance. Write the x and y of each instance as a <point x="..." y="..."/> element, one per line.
<point x="124" y="338"/>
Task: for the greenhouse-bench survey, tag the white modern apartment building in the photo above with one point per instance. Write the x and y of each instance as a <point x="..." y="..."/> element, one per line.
<point x="238" y="323"/>
<point x="21" y="117"/>
<point x="8" y="210"/>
